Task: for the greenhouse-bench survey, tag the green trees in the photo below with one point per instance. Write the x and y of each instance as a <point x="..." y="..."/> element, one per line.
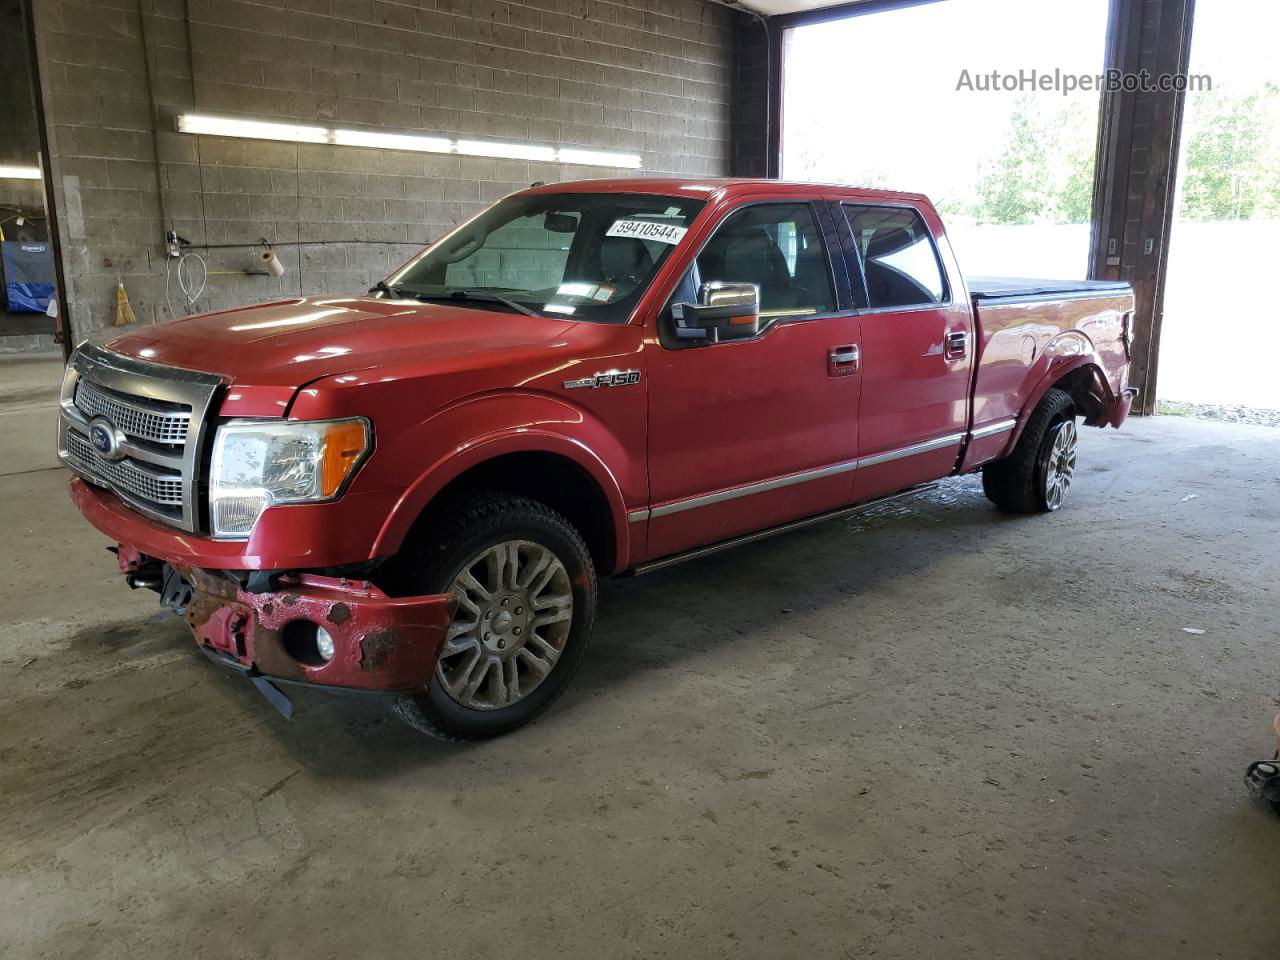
<point x="1040" y="170"/>
<point x="1044" y="174"/>
<point x="1232" y="161"/>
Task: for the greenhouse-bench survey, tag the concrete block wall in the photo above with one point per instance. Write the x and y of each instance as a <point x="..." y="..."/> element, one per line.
<point x="652" y="78"/>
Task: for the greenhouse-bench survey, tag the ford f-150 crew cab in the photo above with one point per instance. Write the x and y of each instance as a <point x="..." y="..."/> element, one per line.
<point x="413" y="492"/>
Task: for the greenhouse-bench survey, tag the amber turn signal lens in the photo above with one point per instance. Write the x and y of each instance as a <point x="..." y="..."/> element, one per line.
<point x="344" y="444"/>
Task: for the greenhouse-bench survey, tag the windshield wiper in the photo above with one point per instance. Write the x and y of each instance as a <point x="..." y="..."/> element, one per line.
<point x="383" y="287"/>
<point x="482" y="296"/>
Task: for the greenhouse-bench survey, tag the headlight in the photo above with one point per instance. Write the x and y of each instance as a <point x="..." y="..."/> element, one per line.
<point x="260" y="463"/>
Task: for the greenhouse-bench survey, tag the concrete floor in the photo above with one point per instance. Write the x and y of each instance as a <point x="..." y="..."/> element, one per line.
<point x="934" y="731"/>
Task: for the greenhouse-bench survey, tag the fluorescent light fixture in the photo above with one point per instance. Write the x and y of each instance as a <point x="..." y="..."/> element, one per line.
<point x="19" y="173"/>
<point x="506" y="151"/>
<point x="598" y="158"/>
<point x="392" y="141"/>
<point x="252" y="129"/>
<point x="298" y="133"/>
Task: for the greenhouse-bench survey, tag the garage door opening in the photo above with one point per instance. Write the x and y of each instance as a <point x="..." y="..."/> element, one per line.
<point x="906" y="99"/>
<point x="1213" y="345"/>
<point x="27" y="251"/>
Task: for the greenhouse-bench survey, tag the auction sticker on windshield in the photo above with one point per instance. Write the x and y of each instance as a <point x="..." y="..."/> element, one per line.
<point x="647" y="230"/>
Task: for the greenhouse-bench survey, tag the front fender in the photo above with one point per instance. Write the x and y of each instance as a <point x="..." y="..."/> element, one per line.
<point x="481" y="428"/>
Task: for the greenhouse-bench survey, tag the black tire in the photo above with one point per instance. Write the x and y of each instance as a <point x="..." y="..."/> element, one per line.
<point x="463" y="532"/>
<point x="1017" y="483"/>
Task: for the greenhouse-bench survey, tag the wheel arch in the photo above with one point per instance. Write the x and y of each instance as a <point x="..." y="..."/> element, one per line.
<point x="533" y="459"/>
<point x="1080" y="377"/>
<point x="555" y="479"/>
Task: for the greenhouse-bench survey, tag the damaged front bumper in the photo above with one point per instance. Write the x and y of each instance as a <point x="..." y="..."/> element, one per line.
<point x="379" y="643"/>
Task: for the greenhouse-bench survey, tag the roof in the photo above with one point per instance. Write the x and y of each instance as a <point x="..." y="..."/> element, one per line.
<point x="727" y="187"/>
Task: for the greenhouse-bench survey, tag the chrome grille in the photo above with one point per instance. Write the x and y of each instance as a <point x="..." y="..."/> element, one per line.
<point x="126" y="475"/>
<point x="136" y="417"/>
<point x="157" y="418"/>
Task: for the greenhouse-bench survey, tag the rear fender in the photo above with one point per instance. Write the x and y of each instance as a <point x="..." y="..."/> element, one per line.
<point x="1065" y="356"/>
<point x="482" y="428"/>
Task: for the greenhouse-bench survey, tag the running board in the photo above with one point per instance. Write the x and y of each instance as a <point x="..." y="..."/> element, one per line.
<point x="655" y="565"/>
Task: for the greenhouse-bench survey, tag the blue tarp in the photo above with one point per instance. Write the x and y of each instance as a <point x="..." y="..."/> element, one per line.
<point x="28" y="276"/>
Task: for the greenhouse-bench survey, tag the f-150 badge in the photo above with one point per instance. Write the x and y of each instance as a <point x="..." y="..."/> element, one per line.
<point x="608" y="378"/>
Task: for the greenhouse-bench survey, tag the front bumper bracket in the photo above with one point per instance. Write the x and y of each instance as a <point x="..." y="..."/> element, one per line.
<point x="275" y="696"/>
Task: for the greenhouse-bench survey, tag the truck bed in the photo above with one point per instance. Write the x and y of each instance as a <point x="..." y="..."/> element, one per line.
<point x="1026" y="325"/>
<point x="986" y="289"/>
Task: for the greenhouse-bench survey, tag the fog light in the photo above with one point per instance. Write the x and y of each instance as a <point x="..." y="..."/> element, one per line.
<point x="324" y="644"/>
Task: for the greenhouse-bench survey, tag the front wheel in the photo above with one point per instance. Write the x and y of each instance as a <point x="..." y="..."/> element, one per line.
<point x="1037" y="475"/>
<point x="526" y="592"/>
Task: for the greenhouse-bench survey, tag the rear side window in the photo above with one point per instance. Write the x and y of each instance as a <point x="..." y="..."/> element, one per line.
<point x="898" y="256"/>
<point x="776" y="246"/>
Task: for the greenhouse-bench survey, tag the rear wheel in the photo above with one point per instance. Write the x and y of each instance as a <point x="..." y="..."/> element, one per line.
<point x="526" y="592"/>
<point x="1037" y="475"/>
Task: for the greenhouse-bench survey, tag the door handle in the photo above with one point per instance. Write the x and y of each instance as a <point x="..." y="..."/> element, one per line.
<point x="956" y="346"/>
<point x="844" y="360"/>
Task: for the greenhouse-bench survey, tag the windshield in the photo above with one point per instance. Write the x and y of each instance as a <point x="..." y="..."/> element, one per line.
<point x="589" y="256"/>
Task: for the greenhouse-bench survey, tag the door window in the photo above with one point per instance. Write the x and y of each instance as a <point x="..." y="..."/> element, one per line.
<point x="776" y="246"/>
<point x="898" y="257"/>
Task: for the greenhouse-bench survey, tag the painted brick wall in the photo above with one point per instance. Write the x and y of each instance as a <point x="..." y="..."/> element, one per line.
<point x="652" y="78"/>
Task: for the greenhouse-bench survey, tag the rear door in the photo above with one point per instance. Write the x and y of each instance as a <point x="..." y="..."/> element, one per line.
<point x="746" y="434"/>
<point x="917" y="347"/>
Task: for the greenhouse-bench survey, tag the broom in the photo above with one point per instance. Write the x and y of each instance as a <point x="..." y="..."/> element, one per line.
<point x="124" y="312"/>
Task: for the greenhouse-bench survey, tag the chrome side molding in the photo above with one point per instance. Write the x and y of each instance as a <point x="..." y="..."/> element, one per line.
<point x="661" y="564"/>
<point x="991" y="429"/>
<point x="928" y="446"/>
<point x="764" y="486"/>
<point x="777" y="483"/>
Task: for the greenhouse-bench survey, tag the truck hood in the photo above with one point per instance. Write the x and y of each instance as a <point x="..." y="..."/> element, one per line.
<point x="293" y="342"/>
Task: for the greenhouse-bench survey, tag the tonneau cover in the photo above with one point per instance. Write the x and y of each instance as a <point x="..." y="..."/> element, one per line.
<point x="999" y="288"/>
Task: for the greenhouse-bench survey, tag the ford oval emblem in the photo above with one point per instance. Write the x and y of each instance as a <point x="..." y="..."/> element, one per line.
<point x="102" y="434"/>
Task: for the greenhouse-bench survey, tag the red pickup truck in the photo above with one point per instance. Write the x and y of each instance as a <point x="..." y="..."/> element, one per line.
<point x="413" y="492"/>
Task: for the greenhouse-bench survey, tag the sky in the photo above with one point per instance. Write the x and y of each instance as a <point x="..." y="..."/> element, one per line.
<point x="1235" y="42"/>
<point x="874" y="97"/>
<point x="877" y="94"/>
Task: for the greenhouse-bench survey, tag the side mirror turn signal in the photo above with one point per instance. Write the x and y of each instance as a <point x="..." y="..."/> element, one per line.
<point x="724" y="311"/>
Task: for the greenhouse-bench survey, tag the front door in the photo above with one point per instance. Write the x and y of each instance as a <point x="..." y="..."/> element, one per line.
<point x="747" y="434"/>
<point x="917" y="350"/>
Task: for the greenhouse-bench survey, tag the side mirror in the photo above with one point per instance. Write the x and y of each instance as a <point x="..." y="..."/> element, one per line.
<point x="724" y="311"/>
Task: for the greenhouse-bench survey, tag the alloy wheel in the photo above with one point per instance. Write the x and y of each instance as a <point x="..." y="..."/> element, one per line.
<point x="515" y="611"/>
<point x="1062" y="465"/>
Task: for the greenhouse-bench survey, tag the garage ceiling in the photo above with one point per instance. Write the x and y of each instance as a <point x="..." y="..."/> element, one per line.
<point x="774" y="7"/>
